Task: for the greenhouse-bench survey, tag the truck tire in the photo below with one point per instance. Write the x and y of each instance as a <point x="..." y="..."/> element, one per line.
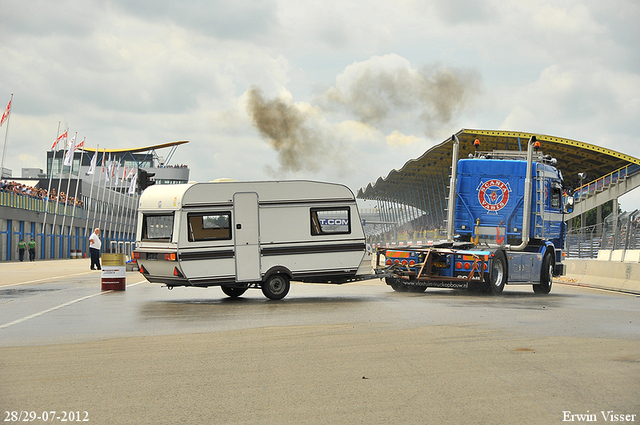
<point x="396" y="284"/>
<point x="498" y="276"/>
<point x="233" y="291"/>
<point x="546" y="276"/>
<point x="417" y="289"/>
<point x="276" y="287"/>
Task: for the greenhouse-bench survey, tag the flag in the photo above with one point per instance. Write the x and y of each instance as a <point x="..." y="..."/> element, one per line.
<point x="92" y="167"/>
<point x="68" y="159"/>
<point x="80" y="145"/>
<point x="60" y="137"/>
<point x="116" y="173"/>
<point x="106" y="175"/>
<point x="131" y="172"/>
<point x="132" y="186"/>
<point x="6" y="114"/>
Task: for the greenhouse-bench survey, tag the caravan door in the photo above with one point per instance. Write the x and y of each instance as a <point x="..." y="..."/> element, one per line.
<point x="247" y="237"/>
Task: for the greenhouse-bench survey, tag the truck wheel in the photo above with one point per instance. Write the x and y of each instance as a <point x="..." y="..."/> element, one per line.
<point x="233" y="291"/>
<point x="417" y="289"/>
<point x="498" y="276"/>
<point x="546" y="276"/>
<point x="396" y="284"/>
<point x="276" y="287"/>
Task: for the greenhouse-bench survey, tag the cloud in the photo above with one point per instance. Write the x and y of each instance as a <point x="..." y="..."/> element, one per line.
<point x="398" y="139"/>
<point x="385" y="90"/>
<point x="589" y="100"/>
<point x="374" y="83"/>
<point x="236" y="20"/>
<point x="371" y="94"/>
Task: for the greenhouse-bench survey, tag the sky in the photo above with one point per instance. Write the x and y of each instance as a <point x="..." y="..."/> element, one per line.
<point x="341" y="91"/>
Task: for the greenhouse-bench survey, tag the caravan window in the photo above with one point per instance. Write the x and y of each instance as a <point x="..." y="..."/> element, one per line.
<point x="209" y="226"/>
<point x="333" y="221"/>
<point x="157" y="227"/>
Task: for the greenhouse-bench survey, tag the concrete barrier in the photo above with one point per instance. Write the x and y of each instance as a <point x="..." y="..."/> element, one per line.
<point x="612" y="275"/>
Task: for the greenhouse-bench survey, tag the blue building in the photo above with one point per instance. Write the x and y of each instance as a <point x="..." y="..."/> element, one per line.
<point x="60" y="208"/>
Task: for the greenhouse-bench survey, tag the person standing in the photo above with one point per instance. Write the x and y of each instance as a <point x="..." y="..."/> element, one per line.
<point x="22" y="245"/>
<point x="32" y="249"/>
<point x="94" y="248"/>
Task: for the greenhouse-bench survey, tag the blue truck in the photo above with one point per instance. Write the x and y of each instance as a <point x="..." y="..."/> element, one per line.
<point x="505" y="225"/>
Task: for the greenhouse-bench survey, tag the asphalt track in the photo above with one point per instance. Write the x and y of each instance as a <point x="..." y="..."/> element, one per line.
<point x="357" y="353"/>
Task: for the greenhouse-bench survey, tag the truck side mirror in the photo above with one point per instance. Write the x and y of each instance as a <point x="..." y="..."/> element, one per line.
<point x="568" y="204"/>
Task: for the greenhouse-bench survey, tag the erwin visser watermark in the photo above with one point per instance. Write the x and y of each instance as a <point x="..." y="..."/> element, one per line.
<point x="604" y="415"/>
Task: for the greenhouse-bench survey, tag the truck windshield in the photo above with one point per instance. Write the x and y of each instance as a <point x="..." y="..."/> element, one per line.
<point x="157" y="227"/>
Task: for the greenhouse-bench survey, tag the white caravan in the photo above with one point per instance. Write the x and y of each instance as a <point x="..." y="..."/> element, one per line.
<point x="241" y="235"/>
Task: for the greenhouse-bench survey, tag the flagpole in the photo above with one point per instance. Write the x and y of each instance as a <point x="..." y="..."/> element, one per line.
<point x="109" y="209"/>
<point x="128" y="201"/>
<point x="48" y="200"/>
<point x="70" y="152"/>
<point x="6" y="137"/>
<point x="120" y="195"/>
<point x="75" y="196"/>
<point x="93" y="176"/>
<point x="55" y="217"/>
<point x="104" y="194"/>
<point x="133" y="221"/>
<point x="112" y="195"/>
<point x="131" y="193"/>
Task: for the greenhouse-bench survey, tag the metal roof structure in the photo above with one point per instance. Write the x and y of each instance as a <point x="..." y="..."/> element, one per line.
<point x="423" y="182"/>
<point x="140" y="149"/>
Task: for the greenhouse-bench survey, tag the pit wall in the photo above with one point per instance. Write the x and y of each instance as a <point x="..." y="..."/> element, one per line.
<point x="614" y="270"/>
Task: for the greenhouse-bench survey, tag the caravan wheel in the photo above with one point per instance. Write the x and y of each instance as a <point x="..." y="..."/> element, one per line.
<point x="232" y="291"/>
<point x="276" y="287"/>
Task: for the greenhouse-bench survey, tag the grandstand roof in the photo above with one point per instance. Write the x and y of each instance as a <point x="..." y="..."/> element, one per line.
<point x="433" y="166"/>
<point x="141" y="149"/>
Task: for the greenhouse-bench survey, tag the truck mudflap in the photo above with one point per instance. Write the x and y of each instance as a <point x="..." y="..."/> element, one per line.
<point x="433" y="267"/>
<point x="560" y="269"/>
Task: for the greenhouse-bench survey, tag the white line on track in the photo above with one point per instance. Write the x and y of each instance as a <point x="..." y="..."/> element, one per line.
<point x="15" y="322"/>
<point x="44" y="279"/>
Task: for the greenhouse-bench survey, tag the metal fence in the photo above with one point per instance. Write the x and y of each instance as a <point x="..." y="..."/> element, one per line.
<point x="621" y="233"/>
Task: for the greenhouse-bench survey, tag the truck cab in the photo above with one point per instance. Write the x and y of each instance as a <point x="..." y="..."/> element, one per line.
<point x="505" y="225"/>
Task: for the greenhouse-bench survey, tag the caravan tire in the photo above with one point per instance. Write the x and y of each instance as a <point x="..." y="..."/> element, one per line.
<point x="276" y="287"/>
<point x="233" y="292"/>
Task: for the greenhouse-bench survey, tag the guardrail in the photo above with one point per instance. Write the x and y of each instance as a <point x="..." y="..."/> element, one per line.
<point x="589" y="189"/>
<point x="25" y="202"/>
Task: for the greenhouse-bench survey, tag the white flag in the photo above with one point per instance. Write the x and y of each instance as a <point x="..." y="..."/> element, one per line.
<point x="106" y="176"/>
<point x="68" y="159"/>
<point x="132" y="186"/>
<point x="116" y="174"/>
<point x="92" y="167"/>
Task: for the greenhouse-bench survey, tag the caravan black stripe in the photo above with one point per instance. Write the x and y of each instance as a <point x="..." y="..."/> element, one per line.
<point x="206" y="255"/>
<point x="341" y="201"/>
<point x="277" y="250"/>
<point x="312" y="249"/>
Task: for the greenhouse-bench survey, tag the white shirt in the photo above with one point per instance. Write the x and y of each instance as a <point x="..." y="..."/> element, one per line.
<point x="95" y="242"/>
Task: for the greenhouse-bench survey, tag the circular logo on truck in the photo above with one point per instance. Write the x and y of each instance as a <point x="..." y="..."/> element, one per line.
<point x="493" y="195"/>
